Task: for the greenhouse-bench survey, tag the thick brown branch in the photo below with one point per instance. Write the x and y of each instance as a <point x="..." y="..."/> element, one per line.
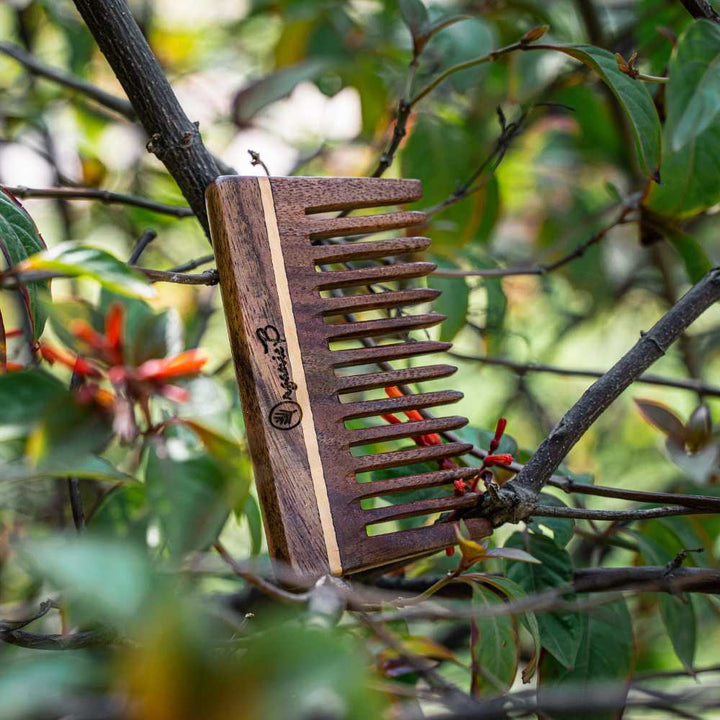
<point x="523" y="368"/>
<point x="172" y="136"/>
<point x="104" y="196"/>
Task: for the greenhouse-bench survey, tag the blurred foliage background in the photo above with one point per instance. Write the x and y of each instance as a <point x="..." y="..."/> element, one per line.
<point x="312" y="86"/>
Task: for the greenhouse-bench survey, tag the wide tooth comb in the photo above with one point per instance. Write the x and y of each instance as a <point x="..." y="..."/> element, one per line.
<point x="283" y="306"/>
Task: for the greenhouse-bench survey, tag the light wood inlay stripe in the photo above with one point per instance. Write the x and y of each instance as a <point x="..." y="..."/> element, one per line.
<point x="298" y="376"/>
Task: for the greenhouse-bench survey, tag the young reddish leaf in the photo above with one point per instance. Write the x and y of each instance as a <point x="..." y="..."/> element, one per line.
<point x="662" y="417"/>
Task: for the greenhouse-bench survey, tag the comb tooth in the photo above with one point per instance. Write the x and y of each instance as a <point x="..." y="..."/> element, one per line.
<point x="376" y="301"/>
<point x="378" y="488"/>
<point x="368" y="250"/>
<point x="352" y="411"/>
<point x="361" y="224"/>
<point x="370" y="381"/>
<point x="378" y="328"/>
<point x="420" y="507"/>
<point x="381" y="433"/>
<point x="397" y="351"/>
<point x="410" y="456"/>
<point x="328" y="193"/>
<point x="367" y="276"/>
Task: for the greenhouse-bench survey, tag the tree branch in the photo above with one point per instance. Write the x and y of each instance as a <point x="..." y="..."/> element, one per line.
<point x="105" y="196"/>
<point x="523" y="368"/>
<point x="701" y="502"/>
<point x="543" y="269"/>
<point x="701" y="9"/>
<point x="41" y="69"/>
<point x="516" y="498"/>
<point x="618" y="515"/>
<point x="172" y="136"/>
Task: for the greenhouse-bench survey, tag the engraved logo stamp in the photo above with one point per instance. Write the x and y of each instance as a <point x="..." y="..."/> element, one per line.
<point x="286" y="414"/>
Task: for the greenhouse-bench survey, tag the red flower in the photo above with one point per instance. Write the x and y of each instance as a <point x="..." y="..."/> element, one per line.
<point x="504" y="459"/>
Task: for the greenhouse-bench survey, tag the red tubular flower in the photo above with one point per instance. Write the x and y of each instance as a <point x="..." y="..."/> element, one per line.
<point x="114" y="332"/>
<point x="499" y="432"/>
<point x="504" y="459"/>
<point x="186" y="363"/>
<point x="77" y="364"/>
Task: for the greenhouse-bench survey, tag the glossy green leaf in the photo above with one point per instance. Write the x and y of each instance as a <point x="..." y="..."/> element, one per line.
<point x="562" y="528"/>
<point x="19" y="238"/>
<point x="605" y="654"/>
<point x="693" y="91"/>
<point x="696" y="261"/>
<point x="633" y="97"/>
<point x="24" y="396"/>
<point x="514" y="592"/>
<point x="493" y="645"/>
<point x="78" y="260"/>
<point x="560" y="632"/>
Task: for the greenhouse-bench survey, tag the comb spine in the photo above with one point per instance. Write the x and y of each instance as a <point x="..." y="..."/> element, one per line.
<point x="317" y="472"/>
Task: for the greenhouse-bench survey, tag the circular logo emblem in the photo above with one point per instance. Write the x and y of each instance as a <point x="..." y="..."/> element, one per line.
<point x="286" y="415"/>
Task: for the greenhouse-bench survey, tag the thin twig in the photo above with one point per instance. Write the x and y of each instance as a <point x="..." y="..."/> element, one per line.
<point x="523" y="368"/>
<point x="544" y="269"/>
<point x="618" y="515"/>
<point x="37" y="67"/>
<point x="265" y="586"/>
<point x="140" y="246"/>
<point x="105" y="196"/>
<point x="709" y="503"/>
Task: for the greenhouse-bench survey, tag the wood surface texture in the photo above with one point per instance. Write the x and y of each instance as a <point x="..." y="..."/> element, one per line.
<point x="270" y="243"/>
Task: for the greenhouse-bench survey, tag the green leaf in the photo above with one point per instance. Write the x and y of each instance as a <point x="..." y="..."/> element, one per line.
<point x="194" y="489"/>
<point x="560" y="632"/>
<point x="694" y="257"/>
<point x="253" y="98"/>
<point x="633" y="97"/>
<point x="251" y="511"/>
<point x="77" y="260"/>
<point x="23" y="399"/>
<point x="659" y="545"/>
<point x="415" y="16"/>
<point x="493" y="645"/>
<point x="90" y="467"/>
<point x="561" y="528"/>
<point x="453" y="303"/>
<point x="690" y="178"/>
<point x="19" y="238"/>
<point x="693" y="91"/>
<point x="605" y="655"/>
<point x="101" y="578"/>
<point x="513" y="591"/>
<point x="67" y="431"/>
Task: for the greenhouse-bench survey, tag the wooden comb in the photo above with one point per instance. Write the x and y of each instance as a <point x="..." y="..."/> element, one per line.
<point x="272" y="252"/>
